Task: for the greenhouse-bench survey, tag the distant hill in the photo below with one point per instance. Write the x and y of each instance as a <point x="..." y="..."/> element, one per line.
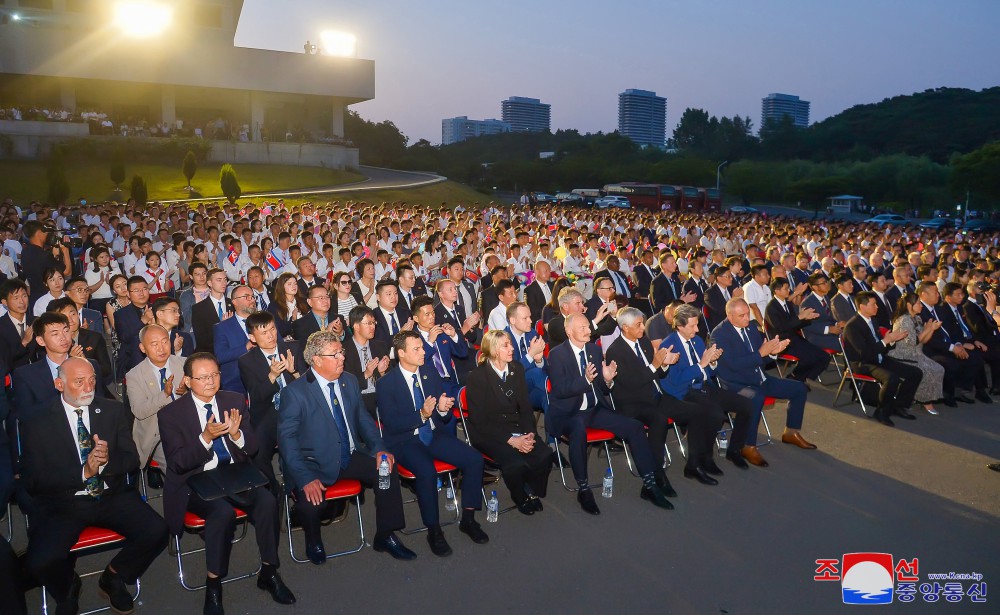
<point x="935" y="123"/>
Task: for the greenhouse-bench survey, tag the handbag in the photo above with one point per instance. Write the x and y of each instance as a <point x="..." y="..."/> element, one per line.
<point x="234" y="481"/>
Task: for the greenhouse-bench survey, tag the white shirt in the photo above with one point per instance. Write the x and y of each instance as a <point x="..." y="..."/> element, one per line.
<point x="756" y="294"/>
<point x="576" y="358"/>
<point x="408" y="378"/>
<point x="324" y="386"/>
<point x="72" y="419"/>
<point x="498" y="317"/>
<point x="199" y="407"/>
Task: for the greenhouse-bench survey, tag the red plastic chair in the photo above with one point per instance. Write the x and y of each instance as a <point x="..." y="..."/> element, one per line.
<point x="857" y="381"/>
<point x="193" y="524"/>
<point x="595" y="437"/>
<point x="343" y="489"/>
<point x="93" y="540"/>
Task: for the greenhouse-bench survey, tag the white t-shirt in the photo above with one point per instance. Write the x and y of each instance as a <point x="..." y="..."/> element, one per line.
<point x="757" y="295"/>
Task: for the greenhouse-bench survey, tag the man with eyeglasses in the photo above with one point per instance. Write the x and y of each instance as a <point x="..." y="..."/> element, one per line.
<point x="231" y="339"/>
<point x="167" y="314"/>
<point x="319" y="317"/>
<point x="823" y="331"/>
<point x="366" y="358"/>
<point x="78" y="290"/>
<point x="200" y="431"/>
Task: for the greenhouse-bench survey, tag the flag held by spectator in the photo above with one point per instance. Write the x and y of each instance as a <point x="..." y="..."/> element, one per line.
<point x="274" y="260"/>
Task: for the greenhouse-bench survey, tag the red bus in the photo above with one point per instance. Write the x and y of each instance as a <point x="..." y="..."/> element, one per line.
<point x="646" y="196"/>
<point x="689" y="198"/>
<point x="710" y="199"/>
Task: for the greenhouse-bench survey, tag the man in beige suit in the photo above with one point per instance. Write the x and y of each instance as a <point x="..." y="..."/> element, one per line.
<point x="152" y="384"/>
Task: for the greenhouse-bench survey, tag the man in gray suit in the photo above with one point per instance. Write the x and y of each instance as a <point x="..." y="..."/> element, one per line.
<point x="325" y="434"/>
<point x="152" y="384"/>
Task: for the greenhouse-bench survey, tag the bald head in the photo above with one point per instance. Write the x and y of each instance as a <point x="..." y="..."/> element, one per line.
<point x="77" y="381"/>
<point x="578" y="329"/>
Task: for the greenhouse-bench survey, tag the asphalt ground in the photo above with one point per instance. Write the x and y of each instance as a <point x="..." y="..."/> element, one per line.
<point x="919" y="490"/>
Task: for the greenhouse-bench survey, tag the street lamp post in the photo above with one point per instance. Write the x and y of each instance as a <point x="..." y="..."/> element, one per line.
<point x="718" y="173"/>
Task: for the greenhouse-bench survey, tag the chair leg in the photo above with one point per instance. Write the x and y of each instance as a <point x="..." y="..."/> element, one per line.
<point x="628" y="460"/>
<point x="458" y="511"/>
<point x="680" y="441"/>
<point x="767" y="430"/>
<point x="181" y="554"/>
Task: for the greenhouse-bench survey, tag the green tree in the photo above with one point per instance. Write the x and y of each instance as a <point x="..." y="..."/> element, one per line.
<point x="694" y="130"/>
<point x="815" y="191"/>
<point x="138" y="191"/>
<point x="227" y="180"/>
<point x="189" y="167"/>
<point x="117" y="171"/>
<point x="978" y="172"/>
<point x="56" y="173"/>
<point x="380" y="143"/>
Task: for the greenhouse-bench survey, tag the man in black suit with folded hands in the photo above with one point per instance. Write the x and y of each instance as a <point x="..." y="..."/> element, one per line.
<point x="77" y="455"/>
<point x="200" y="431"/>
<point x="785" y="321"/>
<point x="962" y="362"/>
<point x="318" y="318"/>
<point x="580" y="379"/>
<point x="955" y="324"/>
<point x="980" y="315"/>
<point x="325" y="434"/>
<point x="868" y="353"/>
<point x="364" y="356"/>
<point x="205" y="314"/>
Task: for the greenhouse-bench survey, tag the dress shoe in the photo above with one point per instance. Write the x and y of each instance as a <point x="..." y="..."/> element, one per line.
<point x="71" y="605"/>
<point x="949" y="401"/>
<point x="882" y="416"/>
<point x="439" y="546"/>
<point x="393" y="547"/>
<point x="795" y="437"/>
<point x="995" y="392"/>
<point x="752" y="455"/>
<point x="668" y="489"/>
<point x="700" y="475"/>
<point x="154" y="478"/>
<point x="277" y="588"/>
<point x="994" y="466"/>
<point x="656" y="495"/>
<point x="316" y="553"/>
<point x="983" y="397"/>
<point x="112" y="588"/>
<point x="712" y="468"/>
<point x="213" y="601"/>
<point x="737" y="460"/>
<point x="536" y="501"/>
<point x="474" y="531"/>
<point x="587" y="501"/>
<point x="526" y="508"/>
<point x="904" y="414"/>
<point x="965" y="399"/>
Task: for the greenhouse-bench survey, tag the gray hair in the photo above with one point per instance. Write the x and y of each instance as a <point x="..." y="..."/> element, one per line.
<point x="148" y="329"/>
<point x="317" y="343"/>
<point x="628" y="315"/>
<point x="567" y="295"/>
<point x="732" y="303"/>
<point x="683" y="314"/>
<point x="61" y="371"/>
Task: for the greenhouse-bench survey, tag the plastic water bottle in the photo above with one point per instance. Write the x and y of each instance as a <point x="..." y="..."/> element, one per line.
<point x="493" y="508"/>
<point x="723" y="440"/>
<point x="609" y="485"/>
<point x="439" y="484"/>
<point x="383" y="473"/>
<point x="449" y="498"/>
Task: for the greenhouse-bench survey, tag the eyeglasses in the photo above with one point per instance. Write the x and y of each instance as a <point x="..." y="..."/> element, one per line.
<point x="368" y="323"/>
<point x="320" y="297"/>
<point x="336" y="355"/>
<point x="170" y="310"/>
<point x="344" y="283"/>
<point x="606" y="288"/>
<point x="242" y="297"/>
<point x="207" y="377"/>
<point x="138" y="290"/>
<point x="82" y="289"/>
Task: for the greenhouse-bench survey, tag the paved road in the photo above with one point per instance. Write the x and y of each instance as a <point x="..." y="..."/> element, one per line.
<point x="748" y="546"/>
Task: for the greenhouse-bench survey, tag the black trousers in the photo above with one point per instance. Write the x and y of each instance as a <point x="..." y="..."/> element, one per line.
<point x="388" y="502"/>
<point x="266" y="430"/>
<point x="718" y="403"/>
<point x="56" y="526"/>
<point x="991" y="356"/>
<point x="220" y="527"/>
<point x="369" y="400"/>
<point x="11" y="584"/>
<point x="524" y="473"/>
<point x="628" y="429"/>
<point x="813" y="360"/>
<point x="899" y="382"/>
<point x="962" y="374"/>
<point x="701" y="423"/>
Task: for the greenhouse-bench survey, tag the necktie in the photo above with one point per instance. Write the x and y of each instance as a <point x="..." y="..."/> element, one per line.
<point x="788" y="310"/>
<point x="20" y="328"/>
<point x="218" y="446"/>
<point x="822" y="302"/>
<point x="524" y="347"/>
<point x="366" y="356"/>
<point x="591" y="396"/>
<point x="163" y="379"/>
<point x="746" y="338"/>
<point x="219" y="305"/>
<point x="424" y="433"/>
<point x="409" y="299"/>
<point x="503" y="377"/>
<point x="961" y="323"/>
<point x="281" y="379"/>
<point x="618" y="288"/>
<point x="454" y="314"/>
<point x="695" y="360"/>
<point x="395" y="325"/>
<point x="93" y="484"/>
<point x="645" y="363"/>
<point x="322" y="323"/>
<point x="338" y="418"/>
<point x="260" y="302"/>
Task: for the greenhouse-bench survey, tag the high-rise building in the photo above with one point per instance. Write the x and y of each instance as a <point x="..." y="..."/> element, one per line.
<point x="455" y="129"/>
<point x="642" y="117"/>
<point x="775" y="106"/>
<point x="526" y="114"/>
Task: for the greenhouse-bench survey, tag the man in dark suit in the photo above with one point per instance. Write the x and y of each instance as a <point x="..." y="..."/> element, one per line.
<point x="534" y="294"/>
<point x="78" y="290"/>
<point x="842" y="304"/>
<point x="580" y="380"/>
<point x="415" y="411"/>
<point x="644" y="274"/>
<point x="319" y="317"/>
<point x="389" y="318"/>
<point x="450" y="311"/>
<point x="622" y="285"/>
<point x="91" y="344"/>
<point x="822" y="331"/>
<point x="441" y="344"/>
<point x="800" y="273"/>
<point x="264" y="371"/>
<point x="962" y="365"/>
<point x="467" y="293"/>
<point x="77" y="453"/>
<point x="718" y="295"/>
<point x="785" y="321"/>
<point x="860" y="278"/>
<point x="230" y="340"/>
<point x="365" y="357"/>
<point x="200" y="431"/>
<point x="741" y="369"/>
<point x="529" y="349"/>
<point x="952" y="321"/>
<point x="406" y="281"/>
<point x="571" y="302"/>
<point x="978" y="311"/>
<point x="488" y="297"/>
<point x="901" y="280"/>
<point x="130" y="320"/>
<point x="868" y="353"/>
<point x="878" y="284"/>
<point x="696" y="284"/>
<point x="666" y="287"/>
<point x="325" y="435"/>
<point x="307" y="275"/>
<point x="604" y="297"/>
<point x="15" y="325"/>
<point x="208" y="312"/>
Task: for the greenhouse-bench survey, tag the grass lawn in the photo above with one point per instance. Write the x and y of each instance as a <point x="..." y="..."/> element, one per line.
<point x="25" y="180"/>
<point x="447" y="192"/>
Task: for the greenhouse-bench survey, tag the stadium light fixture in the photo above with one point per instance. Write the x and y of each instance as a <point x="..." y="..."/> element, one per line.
<point x="337" y="43"/>
<point x="16" y="17"/>
<point x="142" y="19"/>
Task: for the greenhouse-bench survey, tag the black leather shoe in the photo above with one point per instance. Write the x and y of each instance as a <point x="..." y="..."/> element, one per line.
<point x="316" y="553"/>
<point x="983" y="397"/>
<point x="526" y="508"/>
<point x="700" y="475"/>
<point x="536" y="502"/>
<point x="995" y="392"/>
<point x="394" y="547"/>
<point x="154" y="478"/>
<point x="112" y="588"/>
<point x="994" y="466"/>
<point x="904" y="413"/>
<point x="71" y="605"/>
<point x="711" y="467"/>
<point x="738" y="461"/>
<point x="587" y="501"/>
<point x="950" y="402"/>
<point x="474" y="531"/>
<point x="965" y="399"/>
<point x="656" y="496"/>
<point x="439" y="546"/>
<point x="883" y="417"/>
<point x="277" y="588"/>
<point x="213" y="601"/>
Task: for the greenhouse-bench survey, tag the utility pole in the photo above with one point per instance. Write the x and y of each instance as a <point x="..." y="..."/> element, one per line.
<point x="718" y="173"/>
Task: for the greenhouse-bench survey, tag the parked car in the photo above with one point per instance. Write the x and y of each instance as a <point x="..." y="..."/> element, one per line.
<point x="568" y="199"/>
<point x="743" y="209"/>
<point x="612" y="201"/>
<point x="938" y="223"/>
<point x="886" y="219"/>
<point x="981" y="225"/>
<point x="543" y="198"/>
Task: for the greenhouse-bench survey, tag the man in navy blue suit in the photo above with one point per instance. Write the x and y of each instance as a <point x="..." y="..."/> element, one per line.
<point x="529" y="349"/>
<point x="415" y="410"/>
<point x="230" y="339"/>
<point x="442" y="343"/>
<point x="741" y="368"/>
<point x="580" y="380"/>
<point x="129" y="321"/>
<point x="326" y="434"/>
<point x="34" y="384"/>
<point x="824" y="330"/>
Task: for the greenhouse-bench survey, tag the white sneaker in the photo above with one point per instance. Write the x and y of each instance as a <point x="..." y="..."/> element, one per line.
<point x="931" y="410"/>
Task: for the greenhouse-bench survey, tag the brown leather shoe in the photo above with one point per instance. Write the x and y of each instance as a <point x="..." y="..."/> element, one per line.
<point x="795" y="437"/>
<point x="751" y="454"/>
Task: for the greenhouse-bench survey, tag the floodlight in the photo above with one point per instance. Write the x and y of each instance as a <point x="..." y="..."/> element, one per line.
<point x="336" y="43"/>
<point x="142" y="19"/>
<point x="15" y="17"/>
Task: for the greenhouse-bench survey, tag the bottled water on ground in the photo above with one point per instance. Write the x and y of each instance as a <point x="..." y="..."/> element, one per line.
<point x="449" y="498"/>
<point x="609" y="485"/>
<point x="493" y="508"/>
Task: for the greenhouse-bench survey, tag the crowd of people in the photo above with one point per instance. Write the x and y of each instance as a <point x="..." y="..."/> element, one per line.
<point x="395" y="343"/>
